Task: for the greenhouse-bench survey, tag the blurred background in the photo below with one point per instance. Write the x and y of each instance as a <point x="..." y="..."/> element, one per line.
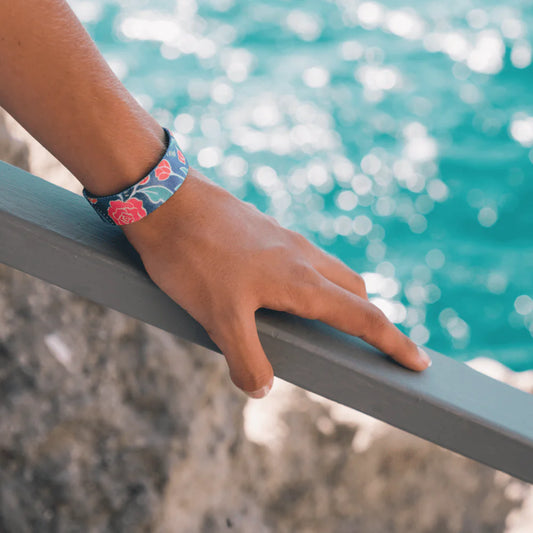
<point x="396" y="135"/>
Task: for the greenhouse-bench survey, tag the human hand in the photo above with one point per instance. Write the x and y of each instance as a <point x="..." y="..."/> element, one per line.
<point x="217" y="257"/>
<point x="221" y="259"/>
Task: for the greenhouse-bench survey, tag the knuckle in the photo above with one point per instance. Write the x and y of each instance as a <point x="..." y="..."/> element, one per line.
<point x="274" y="255"/>
<point x="273" y="220"/>
<point x="359" y="278"/>
<point x="356" y="278"/>
<point x="303" y="274"/>
<point x="304" y="280"/>
<point x="360" y="283"/>
<point x="298" y="239"/>
<point x="253" y="208"/>
<point x="303" y="289"/>
<point x="376" y="320"/>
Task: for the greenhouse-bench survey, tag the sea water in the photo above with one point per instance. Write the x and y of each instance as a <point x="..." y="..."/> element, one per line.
<point x="396" y="135"/>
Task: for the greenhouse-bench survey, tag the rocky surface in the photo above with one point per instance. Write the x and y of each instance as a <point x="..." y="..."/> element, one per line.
<point x="109" y="424"/>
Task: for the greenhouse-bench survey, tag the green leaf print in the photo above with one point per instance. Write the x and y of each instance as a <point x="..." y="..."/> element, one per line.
<point x="157" y="194"/>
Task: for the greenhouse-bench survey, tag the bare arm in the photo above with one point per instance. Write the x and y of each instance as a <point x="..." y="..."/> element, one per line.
<point x="57" y="85"/>
<point x="217" y="257"/>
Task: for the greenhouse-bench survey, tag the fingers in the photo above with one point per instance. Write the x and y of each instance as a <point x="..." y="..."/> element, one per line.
<point x="249" y="368"/>
<point x="324" y="300"/>
<point x="331" y="267"/>
<point x="339" y="299"/>
<point x="340" y="274"/>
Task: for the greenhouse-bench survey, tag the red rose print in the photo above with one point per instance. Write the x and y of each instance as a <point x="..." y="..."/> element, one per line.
<point x="126" y="212"/>
<point x="181" y="157"/>
<point x="145" y="180"/>
<point x="93" y="200"/>
<point x="163" y="170"/>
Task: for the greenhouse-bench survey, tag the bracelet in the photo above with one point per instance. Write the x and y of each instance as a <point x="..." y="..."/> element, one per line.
<point x="149" y="193"/>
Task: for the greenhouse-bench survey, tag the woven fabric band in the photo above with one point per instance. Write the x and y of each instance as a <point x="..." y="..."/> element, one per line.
<point x="147" y="194"/>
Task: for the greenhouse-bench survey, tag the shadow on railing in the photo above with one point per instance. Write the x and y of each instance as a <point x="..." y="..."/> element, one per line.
<point x="54" y="235"/>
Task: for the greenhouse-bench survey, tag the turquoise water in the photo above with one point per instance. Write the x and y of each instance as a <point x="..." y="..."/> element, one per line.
<point x="396" y="135"/>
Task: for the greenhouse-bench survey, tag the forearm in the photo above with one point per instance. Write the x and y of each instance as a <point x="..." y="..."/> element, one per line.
<point x="55" y="82"/>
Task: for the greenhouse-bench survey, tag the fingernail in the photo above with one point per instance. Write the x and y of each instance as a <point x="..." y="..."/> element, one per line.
<point x="424" y="357"/>
<point x="262" y="392"/>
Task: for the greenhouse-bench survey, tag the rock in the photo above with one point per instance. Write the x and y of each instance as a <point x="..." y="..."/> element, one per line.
<point x="19" y="148"/>
<point x="340" y="470"/>
<point x="13" y="150"/>
<point x="110" y="424"/>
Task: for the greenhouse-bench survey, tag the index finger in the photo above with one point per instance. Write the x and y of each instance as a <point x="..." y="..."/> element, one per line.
<point x="356" y="316"/>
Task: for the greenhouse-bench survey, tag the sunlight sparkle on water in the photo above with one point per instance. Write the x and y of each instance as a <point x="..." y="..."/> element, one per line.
<point x="306" y="25"/>
<point x="392" y="134"/>
<point x="523" y="305"/>
<point x="521" y="54"/>
<point x="315" y="77"/>
<point x="521" y="129"/>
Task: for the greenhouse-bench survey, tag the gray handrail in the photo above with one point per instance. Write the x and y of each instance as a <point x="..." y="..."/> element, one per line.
<point x="54" y="234"/>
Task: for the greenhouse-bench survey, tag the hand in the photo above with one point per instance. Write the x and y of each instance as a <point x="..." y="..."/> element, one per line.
<point x="221" y="259"/>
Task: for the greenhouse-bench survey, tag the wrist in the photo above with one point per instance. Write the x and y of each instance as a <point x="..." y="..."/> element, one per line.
<point x="152" y="230"/>
<point x="130" y="156"/>
<point x="148" y="193"/>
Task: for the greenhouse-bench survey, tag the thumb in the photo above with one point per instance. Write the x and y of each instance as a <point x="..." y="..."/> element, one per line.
<point x="249" y="368"/>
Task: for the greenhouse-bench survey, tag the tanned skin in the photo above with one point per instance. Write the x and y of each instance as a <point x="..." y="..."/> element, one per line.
<point x="218" y="257"/>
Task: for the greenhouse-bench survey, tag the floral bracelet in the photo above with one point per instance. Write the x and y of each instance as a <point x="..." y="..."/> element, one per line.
<point x="149" y="193"/>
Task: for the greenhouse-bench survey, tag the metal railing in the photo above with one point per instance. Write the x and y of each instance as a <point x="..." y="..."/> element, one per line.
<point x="53" y="234"/>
